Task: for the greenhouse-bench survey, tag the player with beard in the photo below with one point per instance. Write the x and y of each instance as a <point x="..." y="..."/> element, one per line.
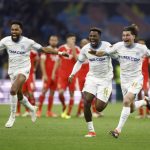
<point x="47" y="62"/>
<point x="18" y="48"/>
<point x="98" y="82"/>
<point x="130" y="55"/>
<point x="81" y="75"/>
<point x="28" y="87"/>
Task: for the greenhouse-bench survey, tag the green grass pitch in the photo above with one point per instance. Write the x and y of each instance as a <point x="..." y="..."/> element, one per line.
<point x="60" y="134"/>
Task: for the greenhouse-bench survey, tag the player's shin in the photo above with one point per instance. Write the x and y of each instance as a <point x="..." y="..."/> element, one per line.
<point x="88" y="116"/>
<point x="50" y="103"/>
<point x="13" y="105"/>
<point x="123" y="118"/>
<point x="71" y="102"/>
<point x="62" y="100"/>
<point x="27" y="104"/>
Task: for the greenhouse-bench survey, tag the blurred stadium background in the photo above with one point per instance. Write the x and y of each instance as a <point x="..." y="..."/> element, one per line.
<point x="42" y="18"/>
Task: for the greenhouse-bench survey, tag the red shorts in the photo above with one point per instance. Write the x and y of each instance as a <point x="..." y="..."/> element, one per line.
<point x="63" y="83"/>
<point x="50" y="84"/>
<point x="29" y="85"/>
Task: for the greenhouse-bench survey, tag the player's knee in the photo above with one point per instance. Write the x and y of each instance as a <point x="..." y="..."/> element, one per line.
<point x="126" y="102"/>
<point x="13" y="92"/>
<point x="87" y="103"/>
<point x="132" y="109"/>
<point x="99" y="108"/>
<point x="20" y="96"/>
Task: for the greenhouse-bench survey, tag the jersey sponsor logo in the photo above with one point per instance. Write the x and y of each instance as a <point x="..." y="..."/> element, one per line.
<point x="129" y="58"/>
<point x="16" y="52"/>
<point x="97" y="59"/>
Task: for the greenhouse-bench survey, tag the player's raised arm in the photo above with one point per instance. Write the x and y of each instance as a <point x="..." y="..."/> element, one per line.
<point x="52" y="51"/>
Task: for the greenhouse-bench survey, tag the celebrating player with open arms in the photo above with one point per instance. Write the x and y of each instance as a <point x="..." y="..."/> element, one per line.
<point x="18" y="48"/>
<point x="98" y="82"/>
<point x="130" y="55"/>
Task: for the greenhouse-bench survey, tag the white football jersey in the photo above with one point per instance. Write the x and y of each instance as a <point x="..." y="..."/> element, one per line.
<point x="99" y="67"/>
<point x="18" y="52"/>
<point x="130" y="59"/>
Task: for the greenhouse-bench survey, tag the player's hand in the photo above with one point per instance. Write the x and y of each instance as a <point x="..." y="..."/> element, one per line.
<point x="91" y="51"/>
<point x="97" y="53"/>
<point x="45" y="78"/>
<point x="70" y="78"/>
<point x="65" y="54"/>
<point x="53" y="76"/>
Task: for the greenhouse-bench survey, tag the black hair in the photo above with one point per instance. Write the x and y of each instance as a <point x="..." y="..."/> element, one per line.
<point x="96" y="29"/>
<point x="53" y="35"/>
<point x="133" y="29"/>
<point x="17" y="22"/>
<point x="70" y="35"/>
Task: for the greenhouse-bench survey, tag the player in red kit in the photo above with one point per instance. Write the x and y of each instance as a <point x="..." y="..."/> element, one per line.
<point x="47" y="63"/>
<point x="65" y="67"/>
<point x="29" y="86"/>
<point x="146" y="86"/>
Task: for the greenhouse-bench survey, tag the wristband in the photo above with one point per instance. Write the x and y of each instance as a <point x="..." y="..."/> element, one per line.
<point x="60" y="53"/>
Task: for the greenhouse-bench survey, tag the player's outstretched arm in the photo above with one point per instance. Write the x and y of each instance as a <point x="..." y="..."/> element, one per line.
<point x="76" y="68"/>
<point x="52" y="51"/>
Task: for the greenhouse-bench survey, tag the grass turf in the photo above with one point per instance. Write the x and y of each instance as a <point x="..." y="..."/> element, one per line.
<point x="60" y="134"/>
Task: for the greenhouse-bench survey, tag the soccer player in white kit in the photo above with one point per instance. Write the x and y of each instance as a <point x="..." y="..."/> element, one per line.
<point x="98" y="82"/>
<point x="130" y="56"/>
<point x="18" y="48"/>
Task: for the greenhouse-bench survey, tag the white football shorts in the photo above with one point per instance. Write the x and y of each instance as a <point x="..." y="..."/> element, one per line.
<point x="24" y="71"/>
<point x="133" y="86"/>
<point x="100" y="88"/>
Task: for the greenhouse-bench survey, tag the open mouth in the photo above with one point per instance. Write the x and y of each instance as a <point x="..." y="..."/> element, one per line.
<point x="126" y="41"/>
<point x="93" y="42"/>
<point x="14" y="35"/>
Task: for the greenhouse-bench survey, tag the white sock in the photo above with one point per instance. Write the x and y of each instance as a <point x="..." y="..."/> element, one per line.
<point x="140" y="103"/>
<point x="13" y="105"/>
<point x="27" y="104"/>
<point x="90" y="126"/>
<point x="124" y="115"/>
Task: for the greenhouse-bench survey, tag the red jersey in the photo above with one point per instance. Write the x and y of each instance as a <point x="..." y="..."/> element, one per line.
<point x="145" y="67"/>
<point x="82" y="74"/>
<point x="29" y="85"/>
<point x="33" y="56"/>
<point x="67" y="63"/>
<point x="50" y="60"/>
<point x="145" y="73"/>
